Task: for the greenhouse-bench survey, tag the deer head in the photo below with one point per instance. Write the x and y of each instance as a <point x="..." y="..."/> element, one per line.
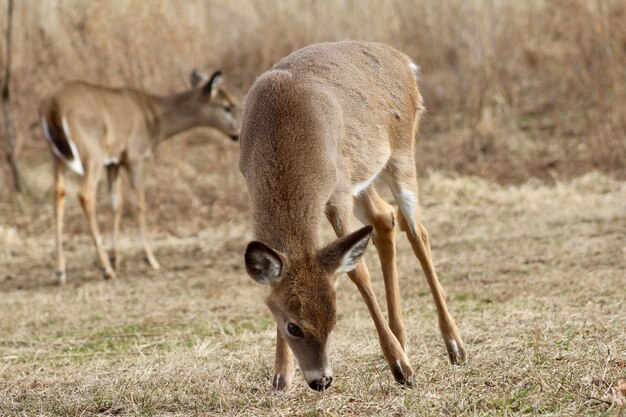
<point x="302" y="296"/>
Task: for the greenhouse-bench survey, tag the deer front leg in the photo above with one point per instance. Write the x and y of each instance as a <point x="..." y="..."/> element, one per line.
<point x="340" y="214"/>
<point x="374" y="210"/>
<point x="59" y="203"/>
<point x="392" y="349"/>
<point x="283" y="366"/>
<point x="136" y="179"/>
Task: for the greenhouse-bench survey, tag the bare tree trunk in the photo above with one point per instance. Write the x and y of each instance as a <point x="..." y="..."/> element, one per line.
<point x="9" y="133"/>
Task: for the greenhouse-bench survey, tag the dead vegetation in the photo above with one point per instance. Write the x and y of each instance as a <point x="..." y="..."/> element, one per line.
<point x="513" y="89"/>
<point x="534" y="274"/>
<point x="522" y="153"/>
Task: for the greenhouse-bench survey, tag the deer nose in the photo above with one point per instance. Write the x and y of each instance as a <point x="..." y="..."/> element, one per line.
<point x="321" y="384"/>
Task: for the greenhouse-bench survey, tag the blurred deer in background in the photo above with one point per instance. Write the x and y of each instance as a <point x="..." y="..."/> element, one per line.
<point x="318" y="130"/>
<point x="91" y="128"/>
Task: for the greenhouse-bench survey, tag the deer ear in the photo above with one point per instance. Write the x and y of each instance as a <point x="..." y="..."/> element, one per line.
<point x="344" y="254"/>
<point x="264" y="264"/>
<point x="211" y="87"/>
<point x="198" y="77"/>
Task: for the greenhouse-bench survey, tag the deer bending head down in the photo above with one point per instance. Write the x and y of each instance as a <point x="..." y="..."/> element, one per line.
<point x="319" y="128"/>
<point x="91" y="128"/>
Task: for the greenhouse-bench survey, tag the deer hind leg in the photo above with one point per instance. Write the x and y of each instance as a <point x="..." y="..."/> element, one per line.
<point x="339" y="213"/>
<point x="87" y="197"/>
<point x="136" y="182"/>
<point x="371" y="209"/>
<point x="59" y="204"/>
<point x="403" y="185"/>
<point x="283" y="366"/>
<point x="115" y="193"/>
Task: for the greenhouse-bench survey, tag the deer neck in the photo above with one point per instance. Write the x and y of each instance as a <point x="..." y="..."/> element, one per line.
<point x="292" y="228"/>
<point x="173" y="114"/>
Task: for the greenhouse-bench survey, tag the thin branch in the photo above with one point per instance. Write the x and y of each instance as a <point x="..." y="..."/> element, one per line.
<point x="9" y="133"/>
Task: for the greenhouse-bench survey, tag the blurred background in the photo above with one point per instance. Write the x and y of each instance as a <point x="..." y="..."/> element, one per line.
<point x="514" y="89"/>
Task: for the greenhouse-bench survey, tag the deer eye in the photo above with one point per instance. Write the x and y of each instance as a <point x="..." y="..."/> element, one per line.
<point x="295" y="330"/>
<point x="228" y="109"/>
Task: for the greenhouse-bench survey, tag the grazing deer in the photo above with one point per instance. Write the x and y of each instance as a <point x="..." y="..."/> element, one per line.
<point x="91" y="128"/>
<point x="318" y="129"/>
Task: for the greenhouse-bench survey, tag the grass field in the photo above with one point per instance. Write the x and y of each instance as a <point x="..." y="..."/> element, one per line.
<point x="522" y="165"/>
<point x="535" y="275"/>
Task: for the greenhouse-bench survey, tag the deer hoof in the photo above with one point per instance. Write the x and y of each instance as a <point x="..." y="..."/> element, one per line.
<point x="152" y="262"/>
<point x="61" y="277"/>
<point x="280" y="382"/>
<point x="456" y="352"/>
<point x="403" y="374"/>
<point x="110" y="275"/>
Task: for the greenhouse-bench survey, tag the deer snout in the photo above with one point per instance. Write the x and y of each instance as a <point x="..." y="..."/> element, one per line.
<point x="321" y="384"/>
<point x="235" y="131"/>
<point x="320" y="379"/>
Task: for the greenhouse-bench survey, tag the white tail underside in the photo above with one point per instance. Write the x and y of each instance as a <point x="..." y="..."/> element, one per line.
<point x="74" y="164"/>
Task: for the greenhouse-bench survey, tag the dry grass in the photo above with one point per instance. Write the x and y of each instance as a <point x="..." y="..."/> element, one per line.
<point x="514" y="89"/>
<point x="535" y="271"/>
<point x="535" y="276"/>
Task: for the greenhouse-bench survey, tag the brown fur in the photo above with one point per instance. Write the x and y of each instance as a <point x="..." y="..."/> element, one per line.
<point x="116" y="128"/>
<point x="318" y="129"/>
